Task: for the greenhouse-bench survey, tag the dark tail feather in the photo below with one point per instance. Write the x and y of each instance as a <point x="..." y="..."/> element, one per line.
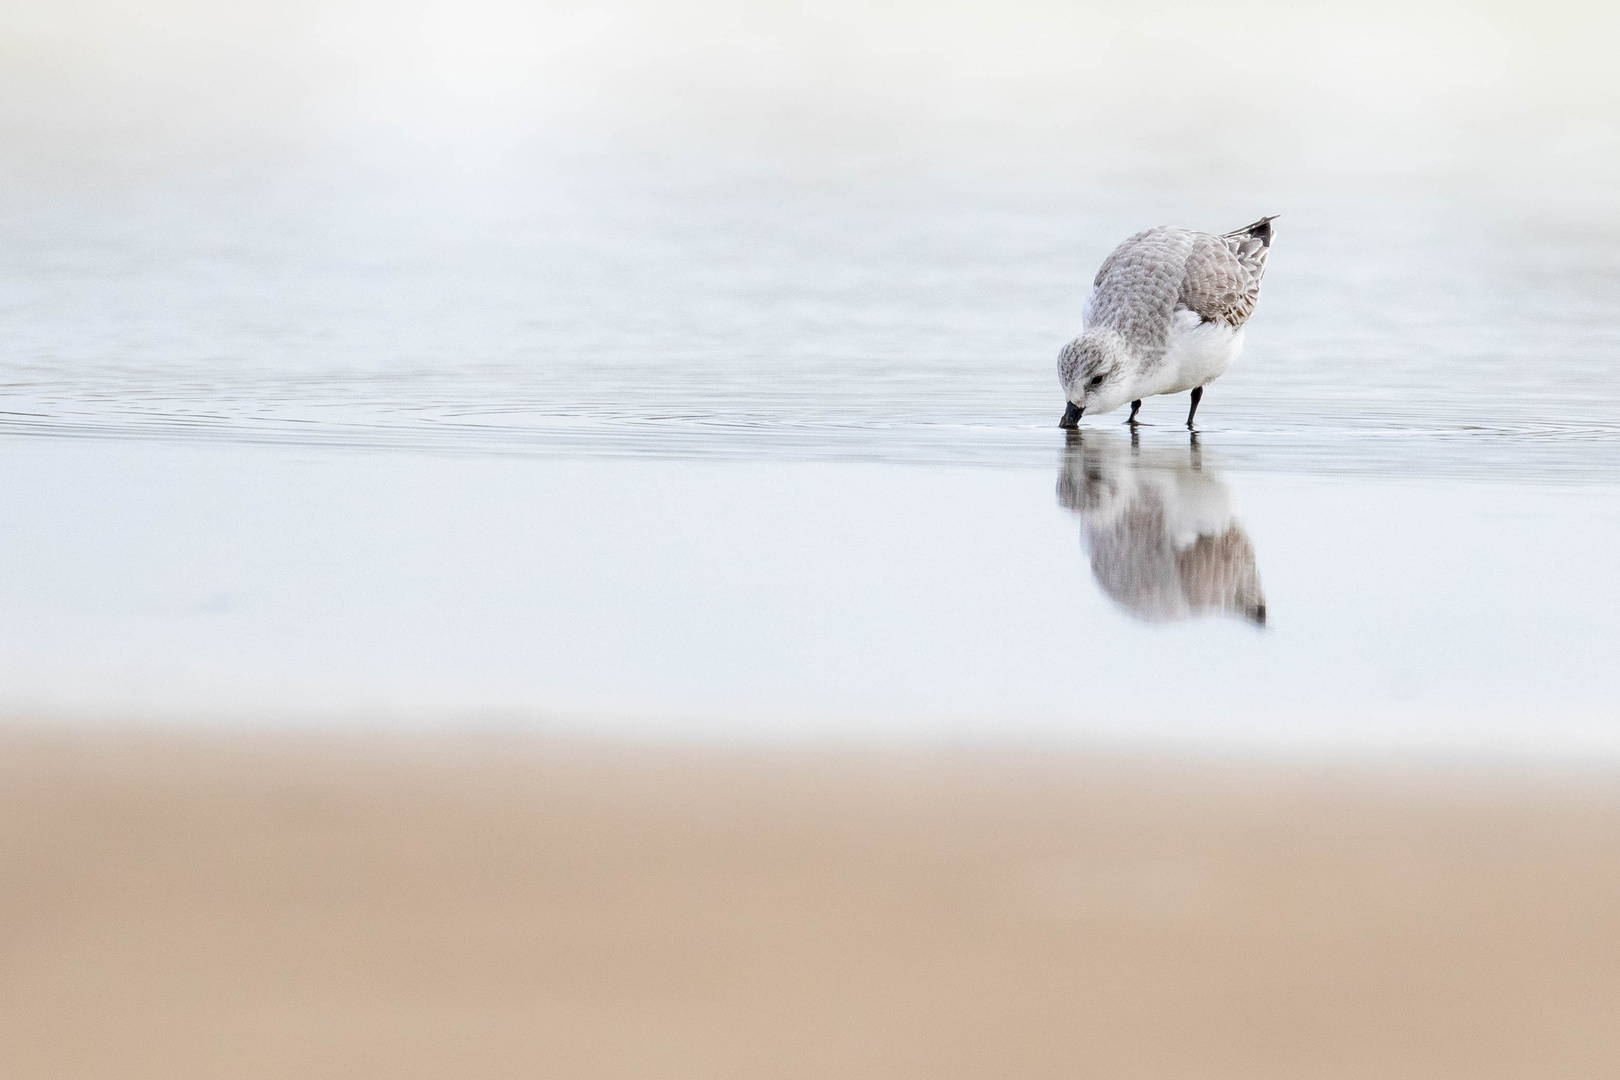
<point x="1260" y="230"/>
<point x="1251" y="244"/>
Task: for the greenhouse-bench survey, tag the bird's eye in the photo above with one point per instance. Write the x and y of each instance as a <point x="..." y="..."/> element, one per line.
<point x="1096" y="381"/>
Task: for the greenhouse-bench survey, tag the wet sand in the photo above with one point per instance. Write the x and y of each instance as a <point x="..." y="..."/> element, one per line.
<point x="295" y="906"/>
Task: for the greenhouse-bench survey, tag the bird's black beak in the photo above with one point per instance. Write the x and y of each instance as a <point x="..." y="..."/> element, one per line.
<point x="1071" y="416"/>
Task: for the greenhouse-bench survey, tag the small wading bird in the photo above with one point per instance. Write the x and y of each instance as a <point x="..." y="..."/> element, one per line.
<point x="1166" y="314"/>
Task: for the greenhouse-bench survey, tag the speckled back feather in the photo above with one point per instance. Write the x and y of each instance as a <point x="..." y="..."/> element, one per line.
<point x="1153" y="274"/>
<point x="1139" y="285"/>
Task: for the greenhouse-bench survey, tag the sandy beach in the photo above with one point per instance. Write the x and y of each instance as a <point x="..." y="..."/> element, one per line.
<point x="270" y="906"/>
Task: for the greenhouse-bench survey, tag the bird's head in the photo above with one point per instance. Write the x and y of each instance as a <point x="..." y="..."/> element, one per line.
<point x="1095" y="374"/>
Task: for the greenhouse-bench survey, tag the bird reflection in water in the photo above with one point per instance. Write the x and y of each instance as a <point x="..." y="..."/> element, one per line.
<point x="1163" y="539"/>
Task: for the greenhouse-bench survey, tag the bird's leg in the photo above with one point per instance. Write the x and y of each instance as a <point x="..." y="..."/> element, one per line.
<point x="1197" y="395"/>
<point x="1136" y="406"/>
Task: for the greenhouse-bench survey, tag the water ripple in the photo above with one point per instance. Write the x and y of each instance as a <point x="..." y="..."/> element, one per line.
<point x="1313" y="438"/>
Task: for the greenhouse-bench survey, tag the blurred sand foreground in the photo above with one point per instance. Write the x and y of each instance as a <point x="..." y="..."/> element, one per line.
<point x="203" y="906"/>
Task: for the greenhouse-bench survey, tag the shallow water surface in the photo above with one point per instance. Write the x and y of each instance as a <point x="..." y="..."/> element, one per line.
<point x="781" y="461"/>
<point x="1116" y="594"/>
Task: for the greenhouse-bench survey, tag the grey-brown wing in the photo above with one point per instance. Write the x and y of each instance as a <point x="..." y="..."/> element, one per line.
<point x="1139" y="285"/>
<point x="1217" y="285"/>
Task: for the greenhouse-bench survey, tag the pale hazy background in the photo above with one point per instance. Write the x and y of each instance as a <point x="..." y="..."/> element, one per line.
<point x="1498" y="94"/>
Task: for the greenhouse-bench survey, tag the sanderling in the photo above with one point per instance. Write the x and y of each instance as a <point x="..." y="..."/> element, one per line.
<point x="1166" y="314"/>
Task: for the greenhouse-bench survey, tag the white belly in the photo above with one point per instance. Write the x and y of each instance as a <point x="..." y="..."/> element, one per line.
<point x="1198" y="352"/>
